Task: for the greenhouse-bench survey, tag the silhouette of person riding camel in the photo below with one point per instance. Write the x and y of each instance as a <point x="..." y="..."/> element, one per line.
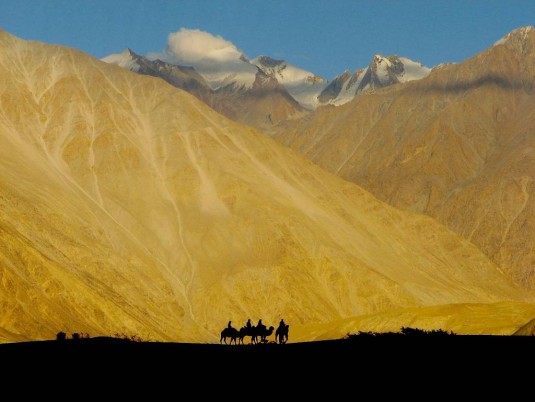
<point x="260" y="326"/>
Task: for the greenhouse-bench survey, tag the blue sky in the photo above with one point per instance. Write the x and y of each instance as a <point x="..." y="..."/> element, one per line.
<point x="325" y="37"/>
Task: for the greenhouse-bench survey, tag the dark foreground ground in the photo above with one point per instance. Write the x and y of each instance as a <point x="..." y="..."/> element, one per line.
<point x="386" y="366"/>
<point x="358" y="348"/>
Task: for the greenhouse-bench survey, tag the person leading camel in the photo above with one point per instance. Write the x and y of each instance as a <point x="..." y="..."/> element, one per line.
<point x="281" y="335"/>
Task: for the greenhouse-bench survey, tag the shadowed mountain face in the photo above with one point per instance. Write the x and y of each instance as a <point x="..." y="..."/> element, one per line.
<point x="179" y="76"/>
<point x="458" y="145"/>
<point x="127" y="205"/>
<point x="262" y="105"/>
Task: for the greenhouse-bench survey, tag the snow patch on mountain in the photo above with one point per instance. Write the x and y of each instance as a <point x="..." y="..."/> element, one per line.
<point x="350" y="88"/>
<point x="382" y="68"/>
<point x="500" y="41"/>
<point x="413" y="70"/>
<point x="123" y="59"/>
<point x="239" y="73"/>
<point x="303" y="85"/>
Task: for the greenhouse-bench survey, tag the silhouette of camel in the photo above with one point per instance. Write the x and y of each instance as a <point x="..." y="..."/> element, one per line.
<point x="231" y="333"/>
<point x="244" y="331"/>
<point x="261" y="333"/>
<point x="257" y="334"/>
<point x="281" y="335"/>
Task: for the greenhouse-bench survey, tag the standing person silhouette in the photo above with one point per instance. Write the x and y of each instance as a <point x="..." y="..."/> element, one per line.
<point x="282" y="332"/>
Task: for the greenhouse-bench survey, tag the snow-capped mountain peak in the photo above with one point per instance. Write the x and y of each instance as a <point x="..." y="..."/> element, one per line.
<point x="379" y="59"/>
<point x="303" y="85"/>
<point x="268" y="62"/>
<point x="381" y="72"/>
<point x="381" y="66"/>
<point x="238" y="73"/>
<point x="284" y="73"/>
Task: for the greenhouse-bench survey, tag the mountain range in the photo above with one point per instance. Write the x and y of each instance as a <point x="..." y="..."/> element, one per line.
<point x="130" y="204"/>
<point x="250" y="97"/>
<point x="264" y="92"/>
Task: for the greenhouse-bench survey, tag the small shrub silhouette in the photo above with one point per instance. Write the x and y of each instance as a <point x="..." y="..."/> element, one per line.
<point x="76" y="336"/>
<point x="405" y="331"/>
<point x="131" y="338"/>
<point x="417" y="331"/>
<point x="61" y="336"/>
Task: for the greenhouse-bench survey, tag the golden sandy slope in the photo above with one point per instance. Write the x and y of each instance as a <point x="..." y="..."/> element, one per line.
<point x="458" y="145"/>
<point x="127" y="205"/>
<point x="473" y="319"/>
<point x="528" y="329"/>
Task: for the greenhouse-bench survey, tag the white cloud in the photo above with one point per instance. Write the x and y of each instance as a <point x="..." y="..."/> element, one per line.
<point x="215" y="58"/>
<point x="191" y="46"/>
